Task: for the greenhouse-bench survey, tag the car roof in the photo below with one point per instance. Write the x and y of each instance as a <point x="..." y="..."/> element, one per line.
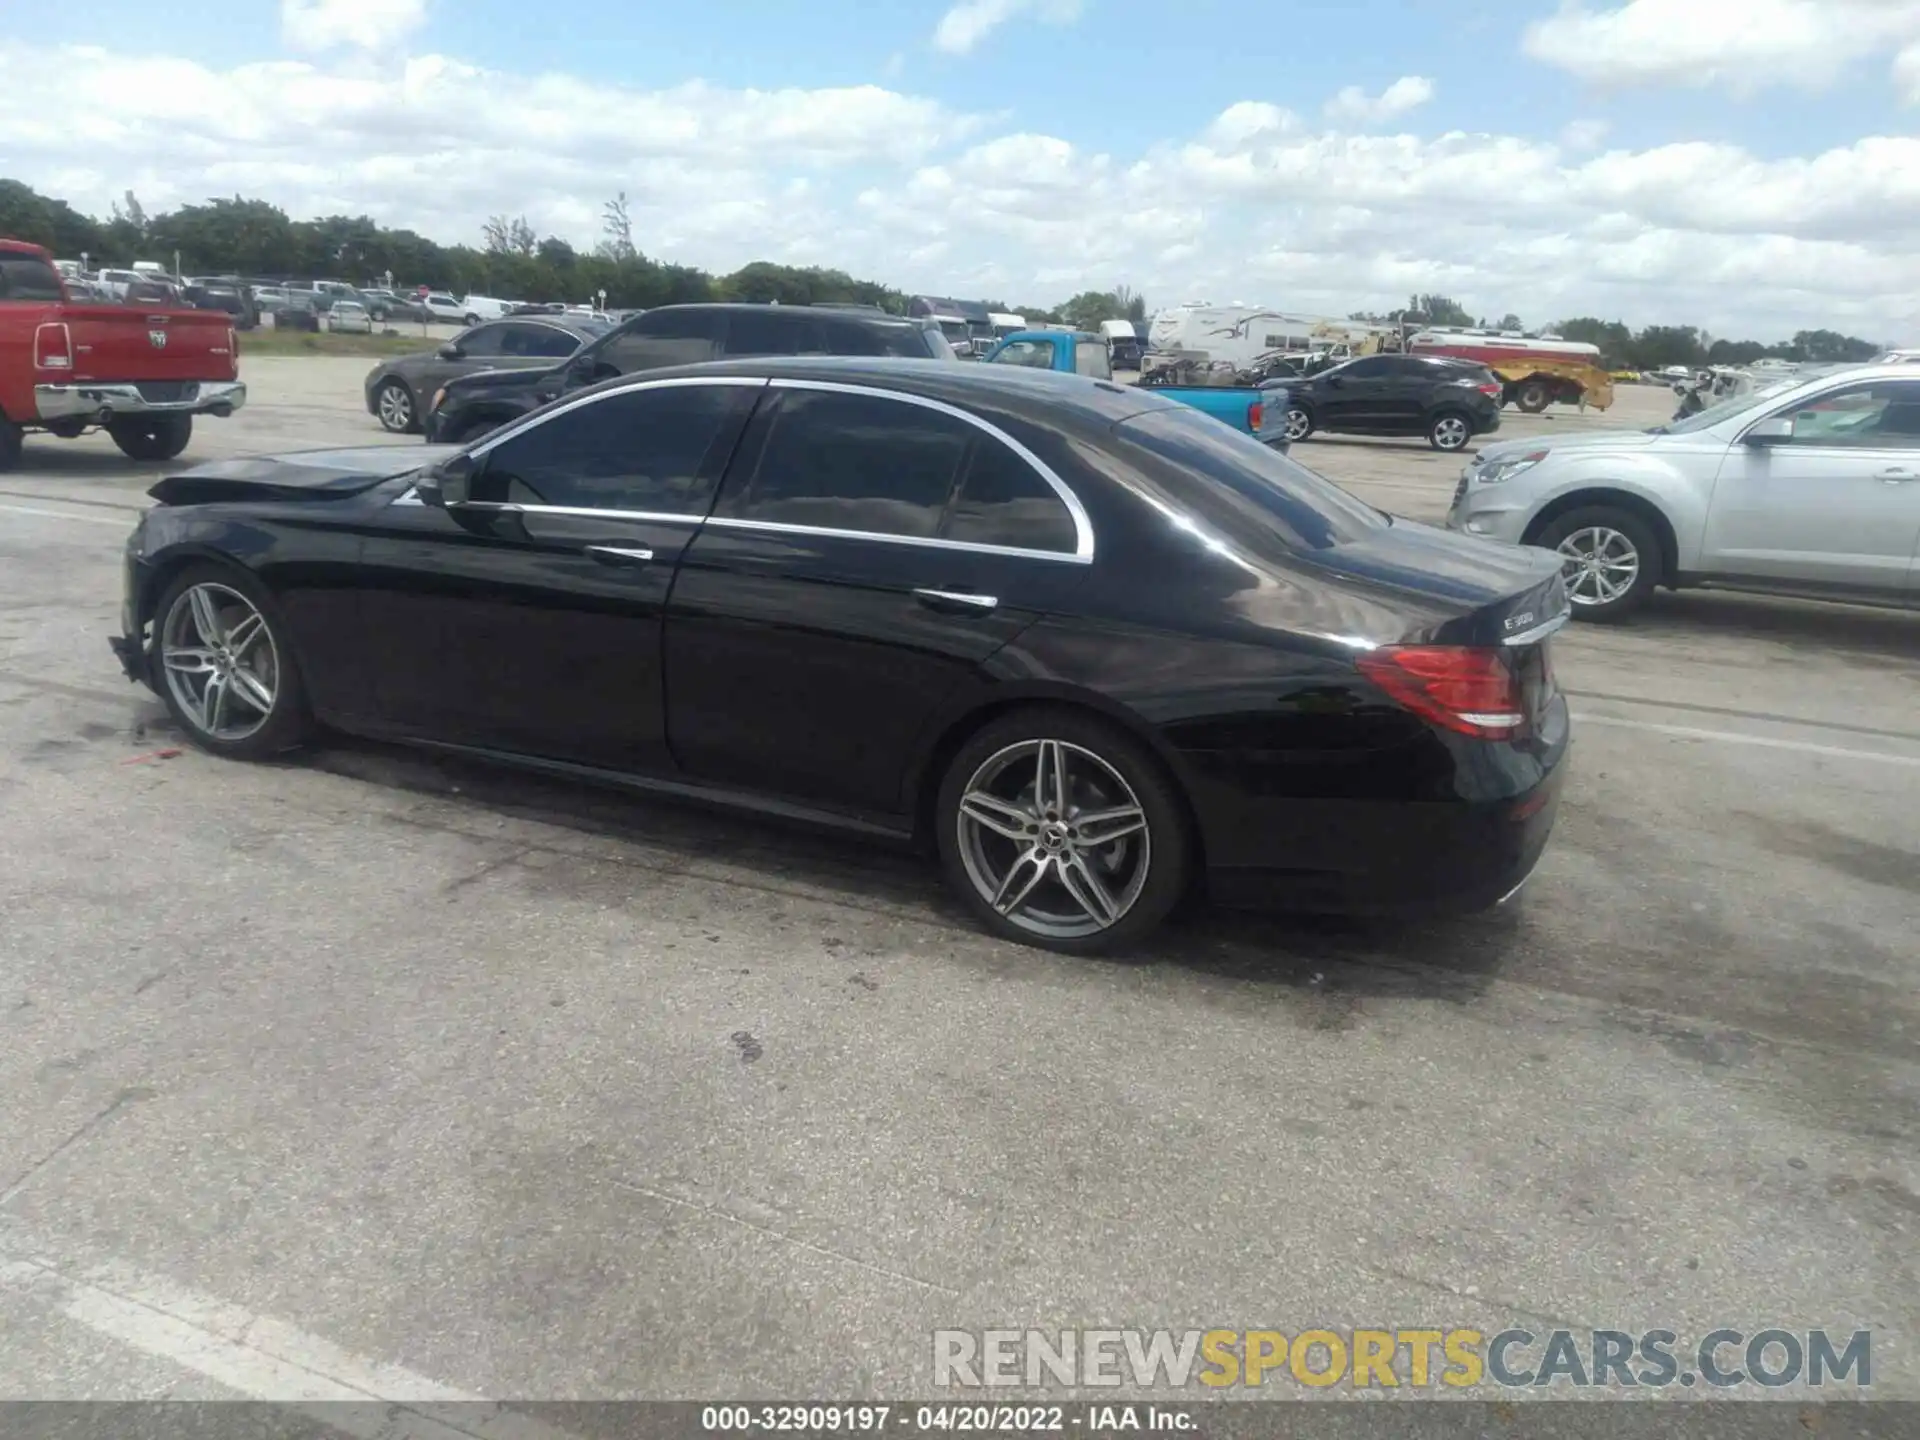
<point x="817" y="312"/>
<point x="1050" y="396"/>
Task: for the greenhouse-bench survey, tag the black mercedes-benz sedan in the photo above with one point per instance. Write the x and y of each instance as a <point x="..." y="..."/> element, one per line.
<point x="1091" y="646"/>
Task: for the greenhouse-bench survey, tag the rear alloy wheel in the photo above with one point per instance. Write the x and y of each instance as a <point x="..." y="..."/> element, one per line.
<point x="1611" y="561"/>
<point x="393" y="404"/>
<point x="1298" y="424"/>
<point x="473" y="320"/>
<point x="1450" y="431"/>
<point x="225" y="671"/>
<point x="1062" y="832"/>
<point x="153" y="437"/>
<point x="1533" y="397"/>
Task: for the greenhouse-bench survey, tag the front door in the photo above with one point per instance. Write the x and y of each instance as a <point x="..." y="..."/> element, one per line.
<point x="1835" y="507"/>
<point x="868" y="554"/>
<point x="1354" y="394"/>
<point x="528" y="620"/>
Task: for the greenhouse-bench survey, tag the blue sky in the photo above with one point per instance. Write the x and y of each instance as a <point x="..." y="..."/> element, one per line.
<point x="1740" y="164"/>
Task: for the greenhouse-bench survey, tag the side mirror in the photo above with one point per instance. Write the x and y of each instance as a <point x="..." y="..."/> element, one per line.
<point x="449" y="351"/>
<point x="1336" y="381"/>
<point x="447" y="484"/>
<point x="1776" y="431"/>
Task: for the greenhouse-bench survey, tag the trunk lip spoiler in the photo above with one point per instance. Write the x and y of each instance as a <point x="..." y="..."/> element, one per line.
<point x="1538" y="632"/>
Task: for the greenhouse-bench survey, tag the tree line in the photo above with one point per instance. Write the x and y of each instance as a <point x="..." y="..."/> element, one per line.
<point x="513" y="261"/>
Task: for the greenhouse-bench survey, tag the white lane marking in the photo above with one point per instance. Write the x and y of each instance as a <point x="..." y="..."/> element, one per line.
<point x="256" y="1355"/>
<point x="118" y="523"/>
<point x="1735" y="737"/>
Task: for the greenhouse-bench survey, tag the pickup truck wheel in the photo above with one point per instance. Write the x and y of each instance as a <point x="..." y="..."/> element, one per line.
<point x="1450" y="431"/>
<point x="158" y="437"/>
<point x="1533" y="397"/>
<point x="10" y="436"/>
<point x="1611" y="560"/>
<point x="393" y="404"/>
<point x="1297" y="423"/>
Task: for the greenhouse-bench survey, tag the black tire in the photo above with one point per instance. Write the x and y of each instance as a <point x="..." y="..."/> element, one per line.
<point x="288" y="722"/>
<point x="1099" y="752"/>
<point x="11" y="436"/>
<point x="474" y="430"/>
<point x="405" y="416"/>
<point x="1598" y="520"/>
<point x="1297" y="423"/>
<point x="1450" y="431"/>
<point x="152" y="437"/>
<point x="1533" y="397"/>
<point x="473" y="320"/>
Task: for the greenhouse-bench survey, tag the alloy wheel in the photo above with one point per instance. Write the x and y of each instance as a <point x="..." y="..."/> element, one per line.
<point x="221" y="664"/>
<point x="1297" y="425"/>
<point x="396" y="407"/>
<point x="1601" y="565"/>
<point x="1451" y="433"/>
<point x="1054" y="839"/>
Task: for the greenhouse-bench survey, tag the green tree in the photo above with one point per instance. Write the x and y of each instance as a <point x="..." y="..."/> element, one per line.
<point x="1438" y="310"/>
<point x="1510" y="321"/>
<point x="1829" y="347"/>
<point x="1659" y="346"/>
<point x="1086" y="310"/>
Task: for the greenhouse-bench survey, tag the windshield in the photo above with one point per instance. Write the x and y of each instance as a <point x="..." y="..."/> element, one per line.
<point x="1726" y="409"/>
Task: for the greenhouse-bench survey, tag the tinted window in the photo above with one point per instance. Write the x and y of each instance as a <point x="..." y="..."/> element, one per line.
<point x="483" y="342"/>
<point x="641" y="450"/>
<point x="1036" y="354"/>
<point x="1374" y="367"/>
<point x="1235" y="482"/>
<point x="907" y="341"/>
<point x="1881" y="416"/>
<point x="544" y="341"/>
<point x="662" y="337"/>
<point x="856" y="462"/>
<point x="1092" y="358"/>
<point x="27" y="277"/>
<point x="1003" y="501"/>
<point x="769" y="332"/>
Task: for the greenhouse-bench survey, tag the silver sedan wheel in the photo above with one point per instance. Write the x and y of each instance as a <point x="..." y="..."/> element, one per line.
<point x="1054" y="839"/>
<point x="1601" y="565"/>
<point x="396" y="406"/>
<point x="1297" y="425"/>
<point x="220" y="661"/>
<point x="1451" y="433"/>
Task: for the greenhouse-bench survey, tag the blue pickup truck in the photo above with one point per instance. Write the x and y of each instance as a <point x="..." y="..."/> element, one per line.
<point x="1260" y="412"/>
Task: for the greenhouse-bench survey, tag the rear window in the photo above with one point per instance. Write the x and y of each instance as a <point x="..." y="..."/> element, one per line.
<point x="27" y="277"/>
<point x="1236" y="482"/>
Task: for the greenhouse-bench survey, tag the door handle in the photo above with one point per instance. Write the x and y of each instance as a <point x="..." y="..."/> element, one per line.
<point x="616" y="555"/>
<point x="959" y="600"/>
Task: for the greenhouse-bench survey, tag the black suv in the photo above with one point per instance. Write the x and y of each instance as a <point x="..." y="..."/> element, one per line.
<point x="467" y="408"/>
<point x="1448" y="401"/>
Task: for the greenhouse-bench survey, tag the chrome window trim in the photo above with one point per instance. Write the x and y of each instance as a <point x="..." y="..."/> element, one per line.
<point x="521" y="427"/>
<point x="1840" y="385"/>
<point x="1082" y="525"/>
<point x="925" y="542"/>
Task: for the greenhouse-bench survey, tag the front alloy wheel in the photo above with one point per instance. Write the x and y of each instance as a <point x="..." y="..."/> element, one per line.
<point x="1299" y="424"/>
<point x="223" y="668"/>
<point x="1601" y="567"/>
<point x="1062" y="833"/>
<point x="394" y="405"/>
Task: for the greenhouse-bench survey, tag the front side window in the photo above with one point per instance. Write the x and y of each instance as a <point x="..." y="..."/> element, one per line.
<point x="483" y="342"/>
<point x="1883" y="415"/>
<point x="1035" y="354"/>
<point x="1374" y="367"/>
<point x="643" y="450"/>
<point x="537" y="341"/>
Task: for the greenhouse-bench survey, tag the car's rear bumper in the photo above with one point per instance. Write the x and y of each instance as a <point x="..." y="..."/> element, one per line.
<point x="113" y="400"/>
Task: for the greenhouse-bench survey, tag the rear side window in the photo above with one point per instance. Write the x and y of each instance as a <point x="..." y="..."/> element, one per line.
<point x="1233" y="482"/>
<point x="1091" y="358"/>
<point x="1003" y="501"/>
<point x="769" y="332"/>
<point x="27" y="277"/>
<point x="908" y="342"/>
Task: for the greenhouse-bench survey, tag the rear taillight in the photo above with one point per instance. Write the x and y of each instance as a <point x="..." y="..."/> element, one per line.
<point x="1256" y="416"/>
<point x="1466" y="688"/>
<point x="53" y="346"/>
<point x="1494" y="390"/>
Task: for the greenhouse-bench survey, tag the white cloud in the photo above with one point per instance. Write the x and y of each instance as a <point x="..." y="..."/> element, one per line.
<point x="1354" y="106"/>
<point x="969" y="22"/>
<point x="1906" y="74"/>
<point x="1258" y="202"/>
<point x="1584" y="135"/>
<point x="357" y="24"/>
<point x="1742" y="45"/>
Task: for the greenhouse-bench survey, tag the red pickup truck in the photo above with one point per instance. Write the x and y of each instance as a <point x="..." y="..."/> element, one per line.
<point x="140" y="372"/>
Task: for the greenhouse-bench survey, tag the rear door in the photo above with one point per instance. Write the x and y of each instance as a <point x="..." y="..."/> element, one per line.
<point x="868" y="552"/>
<point x="1835" y="508"/>
<point x="528" y="621"/>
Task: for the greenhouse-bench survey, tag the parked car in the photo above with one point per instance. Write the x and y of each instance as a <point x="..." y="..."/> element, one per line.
<point x="677" y="335"/>
<point x="139" y="373"/>
<point x="397" y="390"/>
<point x="439" y="305"/>
<point x="1260" y="412"/>
<point x="293" y="310"/>
<point x="475" y="308"/>
<point x="904" y="599"/>
<point x="230" y="297"/>
<point x="1448" y="401"/>
<point x="1808" y="488"/>
<point x="349" y="317"/>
